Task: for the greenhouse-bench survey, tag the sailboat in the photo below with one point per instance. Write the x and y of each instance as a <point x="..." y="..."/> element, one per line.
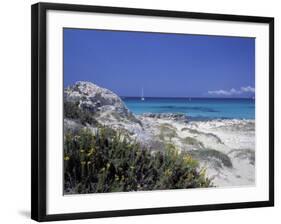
<point x="142" y="97"/>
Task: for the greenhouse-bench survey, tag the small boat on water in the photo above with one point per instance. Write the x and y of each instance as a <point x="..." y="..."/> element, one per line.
<point x="142" y="96"/>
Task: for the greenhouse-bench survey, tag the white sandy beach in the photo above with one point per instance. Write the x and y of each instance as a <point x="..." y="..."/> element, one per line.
<point x="233" y="139"/>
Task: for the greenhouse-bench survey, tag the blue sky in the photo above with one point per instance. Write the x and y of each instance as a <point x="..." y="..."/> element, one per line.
<point x="164" y="65"/>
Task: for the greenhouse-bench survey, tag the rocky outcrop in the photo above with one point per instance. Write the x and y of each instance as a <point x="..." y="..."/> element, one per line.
<point x="102" y="105"/>
<point x="94" y="98"/>
<point x="168" y="116"/>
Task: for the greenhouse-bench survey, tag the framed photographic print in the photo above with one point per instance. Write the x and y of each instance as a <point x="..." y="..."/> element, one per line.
<point x="139" y="111"/>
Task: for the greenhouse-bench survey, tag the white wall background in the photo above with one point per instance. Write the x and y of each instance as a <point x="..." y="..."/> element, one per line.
<point x="15" y="109"/>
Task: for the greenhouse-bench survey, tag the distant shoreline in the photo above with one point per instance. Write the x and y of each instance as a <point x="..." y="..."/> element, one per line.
<point x="195" y="118"/>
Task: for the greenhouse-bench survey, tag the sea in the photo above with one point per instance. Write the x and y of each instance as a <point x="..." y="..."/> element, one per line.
<point x="194" y="108"/>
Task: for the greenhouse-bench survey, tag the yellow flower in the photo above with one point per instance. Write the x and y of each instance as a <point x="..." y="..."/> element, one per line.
<point x="203" y="171"/>
<point x="187" y="158"/>
<point x="92" y="151"/>
<point x="66" y="158"/>
<point x="168" y="172"/>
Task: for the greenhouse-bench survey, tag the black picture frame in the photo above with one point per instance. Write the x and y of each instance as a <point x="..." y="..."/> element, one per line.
<point x="39" y="123"/>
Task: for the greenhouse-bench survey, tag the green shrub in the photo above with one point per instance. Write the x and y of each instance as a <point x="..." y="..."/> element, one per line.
<point x="193" y="142"/>
<point x="244" y="154"/>
<point x="110" y="162"/>
<point x="167" y="131"/>
<point x="211" y="154"/>
<point x="73" y="111"/>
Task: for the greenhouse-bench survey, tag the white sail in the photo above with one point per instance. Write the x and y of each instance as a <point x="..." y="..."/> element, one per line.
<point x="142" y="97"/>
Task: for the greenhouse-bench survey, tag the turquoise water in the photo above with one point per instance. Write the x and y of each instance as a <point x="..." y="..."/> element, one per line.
<point x="194" y="108"/>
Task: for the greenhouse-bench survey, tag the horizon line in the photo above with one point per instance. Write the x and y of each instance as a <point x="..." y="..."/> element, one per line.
<point x="187" y="97"/>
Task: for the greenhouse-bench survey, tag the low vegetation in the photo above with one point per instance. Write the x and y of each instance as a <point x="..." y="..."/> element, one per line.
<point x="212" y="155"/>
<point x="108" y="162"/>
<point x="167" y="131"/>
<point x="193" y="142"/>
<point x="209" y="135"/>
<point x="73" y="111"/>
<point x="248" y="154"/>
